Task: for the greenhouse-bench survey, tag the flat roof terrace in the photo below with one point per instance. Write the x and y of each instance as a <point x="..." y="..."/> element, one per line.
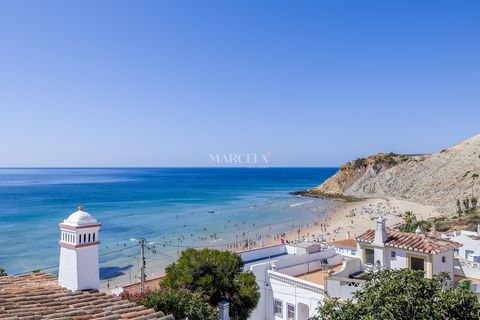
<point x="318" y="276"/>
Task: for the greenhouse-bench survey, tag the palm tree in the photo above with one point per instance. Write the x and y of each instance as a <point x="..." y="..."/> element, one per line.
<point x="409" y="217"/>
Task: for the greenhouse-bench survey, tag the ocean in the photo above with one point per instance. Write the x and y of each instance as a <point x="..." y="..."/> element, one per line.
<point x="172" y="208"/>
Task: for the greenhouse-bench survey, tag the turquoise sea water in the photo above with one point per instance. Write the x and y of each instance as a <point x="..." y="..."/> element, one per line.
<point x="172" y="207"/>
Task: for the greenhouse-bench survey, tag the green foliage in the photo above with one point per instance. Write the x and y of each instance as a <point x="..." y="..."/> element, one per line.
<point x="36" y="271"/>
<point x="410" y="223"/>
<point x="404" y="295"/>
<point x="181" y="303"/>
<point x="469" y="206"/>
<point x="409" y="217"/>
<point x="217" y="275"/>
<point x="3" y="273"/>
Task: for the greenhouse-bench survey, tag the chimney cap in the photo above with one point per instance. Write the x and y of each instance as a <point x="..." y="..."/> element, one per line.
<point x="81" y="208"/>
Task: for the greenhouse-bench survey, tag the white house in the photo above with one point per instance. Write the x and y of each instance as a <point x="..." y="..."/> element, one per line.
<point x="467" y="257"/>
<point x="345" y="247"/>
<point x="291" y="278"/>
<point x="394" y="249"/>
<point x="470" y="241"/>
<point x="79" y="241"/>
<point x="295" y="279"/>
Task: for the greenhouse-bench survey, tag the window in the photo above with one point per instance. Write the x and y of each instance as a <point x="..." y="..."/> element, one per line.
<point x="80" y="239"/>
<point x="417" y="264"/>
<point x="89" y="237"/>
<point x="369" y="256"/>
<point x="94" y="237"/>
<point x="354" y="252"/>
<point x="393" y="255"/>
<point x="277" y="307"/>
<point x="444" y="259"/>
<point x="290" y="312"/>
<point x="84" y="237"/>
<point x="467" y="253"/>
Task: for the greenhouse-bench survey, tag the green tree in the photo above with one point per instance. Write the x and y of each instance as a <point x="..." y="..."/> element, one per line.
<point x="217" y="275"/>
<point x="404" y="295"/>
<point x="181" y="303"/>
<point x="3" y="273"/>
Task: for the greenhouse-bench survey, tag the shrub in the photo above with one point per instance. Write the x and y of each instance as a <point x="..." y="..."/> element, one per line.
<point x="217" y="275"/>
<point x="180" y="303"/>
<point x="442" y="226"/>
<point x="404" y="295"/>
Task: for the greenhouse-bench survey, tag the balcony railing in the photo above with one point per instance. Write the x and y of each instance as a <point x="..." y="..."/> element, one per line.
<point x="347" y="282"/>
<point x="470" y="264"/>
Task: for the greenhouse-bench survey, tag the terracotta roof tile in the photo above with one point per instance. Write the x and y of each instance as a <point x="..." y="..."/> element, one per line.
<point x="411" y="241"/>
<point x="38" y="296"/>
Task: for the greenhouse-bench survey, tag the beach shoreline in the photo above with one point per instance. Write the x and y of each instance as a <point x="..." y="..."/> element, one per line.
<point x="340" y="220"/>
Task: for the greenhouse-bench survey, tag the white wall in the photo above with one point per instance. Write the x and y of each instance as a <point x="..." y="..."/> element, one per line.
<point x="88" y="268"/>
<point x="467" y="269"/>
<point x="260" y="253"/>
<point x="294" y="294"/>
<point x="67" y="271"/>
<point x="286" y="266"/>
<point x="447" y="266"/>
<point x="400" y="261"/>
<point x="468" y="244"/>
<point x="265" y="302"/>
<point x="348" y="252"/>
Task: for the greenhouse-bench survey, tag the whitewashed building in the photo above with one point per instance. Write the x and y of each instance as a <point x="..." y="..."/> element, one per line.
<point x="294" y="279"/>
<point x="291" y="278"/>
<point x="467" y="257"/>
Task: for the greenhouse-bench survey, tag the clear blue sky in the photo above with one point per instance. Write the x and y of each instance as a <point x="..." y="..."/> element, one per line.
<point x="166" y="83"/>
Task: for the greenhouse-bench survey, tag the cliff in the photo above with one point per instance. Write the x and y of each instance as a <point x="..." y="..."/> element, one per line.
<point x="437" y="179"/>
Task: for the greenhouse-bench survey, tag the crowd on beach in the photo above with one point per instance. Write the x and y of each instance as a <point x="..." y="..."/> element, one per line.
<point x="327" y="223"/>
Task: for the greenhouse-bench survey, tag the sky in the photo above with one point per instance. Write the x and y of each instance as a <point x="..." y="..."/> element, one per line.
<point x="180" y="83"/>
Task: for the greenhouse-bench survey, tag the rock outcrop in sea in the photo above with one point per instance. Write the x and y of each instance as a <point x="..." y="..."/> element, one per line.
<point x="437" y="179"/>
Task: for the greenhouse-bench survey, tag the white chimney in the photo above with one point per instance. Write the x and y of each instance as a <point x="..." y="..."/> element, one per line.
<point x="79" y="269"/>
<point x="380" y="231"/>
<point x="478" y="230"/>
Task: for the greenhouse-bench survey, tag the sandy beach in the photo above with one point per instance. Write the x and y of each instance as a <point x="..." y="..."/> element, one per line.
<point x="350" y="219"/>
<point x="343" y="220"/>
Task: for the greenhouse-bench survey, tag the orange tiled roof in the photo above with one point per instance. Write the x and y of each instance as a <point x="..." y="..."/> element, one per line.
<point x="411" y="241"/>
<point x="349" y="243"/>
<point x="38" y="296"/>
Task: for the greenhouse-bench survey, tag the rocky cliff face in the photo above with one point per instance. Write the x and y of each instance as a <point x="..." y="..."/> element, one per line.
<point x="437" y="179"/>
